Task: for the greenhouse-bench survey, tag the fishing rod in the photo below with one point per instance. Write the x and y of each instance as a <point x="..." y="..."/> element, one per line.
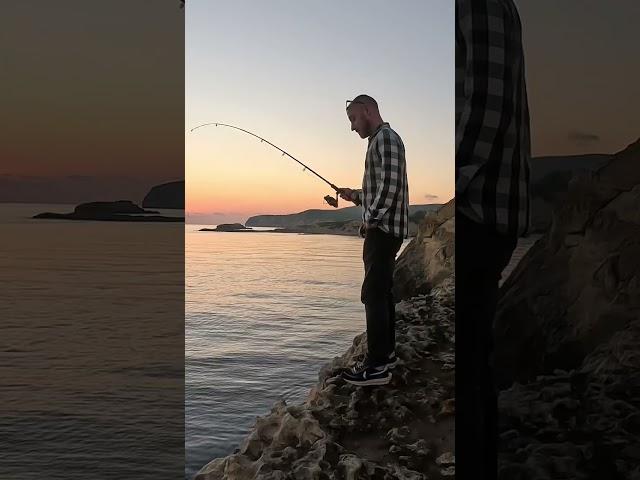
<point x="328" y="198"/>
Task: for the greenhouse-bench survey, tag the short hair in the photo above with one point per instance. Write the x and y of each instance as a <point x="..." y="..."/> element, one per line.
<point x="366" y="99"/>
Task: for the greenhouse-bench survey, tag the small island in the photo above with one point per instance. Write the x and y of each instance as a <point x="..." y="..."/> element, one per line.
<point x="120" y="211"/>
<point x="229" y="227"/>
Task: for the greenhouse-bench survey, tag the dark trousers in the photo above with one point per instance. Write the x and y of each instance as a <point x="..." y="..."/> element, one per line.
<point x="481" y="255"/>
<point x="379" y="256"/>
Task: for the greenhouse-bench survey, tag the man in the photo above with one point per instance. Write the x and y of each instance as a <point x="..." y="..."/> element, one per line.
<point x="384" y="198"/>
<point x="492" y="209"/>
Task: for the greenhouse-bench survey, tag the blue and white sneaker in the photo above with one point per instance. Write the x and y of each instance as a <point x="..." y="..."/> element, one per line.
<point x="364" y="374"/>
<point x="391" y="362"/>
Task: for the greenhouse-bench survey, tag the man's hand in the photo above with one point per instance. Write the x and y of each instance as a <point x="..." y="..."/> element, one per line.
<point x="364" y="227"/>
<point x="346" y="194"/>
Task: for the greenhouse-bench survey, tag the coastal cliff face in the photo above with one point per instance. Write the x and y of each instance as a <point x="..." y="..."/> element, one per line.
<point x="403" y="430"/>
<point x="568" y="336"/>
<point x="430" y="258"/>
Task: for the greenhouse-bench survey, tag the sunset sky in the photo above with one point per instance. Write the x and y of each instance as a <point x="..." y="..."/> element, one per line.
<point x="582" y="74"/>
<point x="92" y="99"/>
<point x="93" y="94"/>
<point x="283" y="70"/>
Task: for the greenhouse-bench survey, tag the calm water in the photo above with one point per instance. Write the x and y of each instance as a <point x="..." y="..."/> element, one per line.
<point x="104" y="373"/>
<point x="91" y="347"/>
<point x="264" y="311"/>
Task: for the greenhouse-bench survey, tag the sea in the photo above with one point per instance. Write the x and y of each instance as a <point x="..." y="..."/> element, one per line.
<point x="259" y="313"/>
<point x="91" y="347"/>
<point x="264" y="311"/>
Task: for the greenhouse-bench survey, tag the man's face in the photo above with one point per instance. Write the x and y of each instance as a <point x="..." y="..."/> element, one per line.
<point x="359" y="119"/>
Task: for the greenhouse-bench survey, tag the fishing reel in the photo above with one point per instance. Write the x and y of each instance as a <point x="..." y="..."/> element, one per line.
<point x="332" y="201"/>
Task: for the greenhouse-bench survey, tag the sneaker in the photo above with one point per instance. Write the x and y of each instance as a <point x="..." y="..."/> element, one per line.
<point x="359" y="365"/>
<point x="393" y="360"/>
<point x="367" y="375"/>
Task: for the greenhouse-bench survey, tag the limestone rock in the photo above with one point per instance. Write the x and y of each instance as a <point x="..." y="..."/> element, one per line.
<point x="578" y="285"/>
<point x="429" y="258"/>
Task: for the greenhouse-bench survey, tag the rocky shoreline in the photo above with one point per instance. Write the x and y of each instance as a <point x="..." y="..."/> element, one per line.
<point x="403" y="430"/>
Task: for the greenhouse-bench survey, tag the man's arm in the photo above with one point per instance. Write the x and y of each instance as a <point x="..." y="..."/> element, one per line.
<point x="390" y="151"/>
<point x="482" y="30"/>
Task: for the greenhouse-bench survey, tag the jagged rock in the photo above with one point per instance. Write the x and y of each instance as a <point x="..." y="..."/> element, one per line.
<point x="578" y="285"/>
<point x="429" y="257"/>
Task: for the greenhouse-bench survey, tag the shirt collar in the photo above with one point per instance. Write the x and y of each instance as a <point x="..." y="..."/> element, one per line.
<point x="382" y="125"/>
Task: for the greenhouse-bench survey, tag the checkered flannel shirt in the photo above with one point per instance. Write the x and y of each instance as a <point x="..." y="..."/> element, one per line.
<point x="385" y="192"/>
<point x="492" y="116"/>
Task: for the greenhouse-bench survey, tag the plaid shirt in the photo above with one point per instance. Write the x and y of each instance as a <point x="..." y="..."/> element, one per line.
<point x="385" y="193"/>
<point x="492" y="116"/>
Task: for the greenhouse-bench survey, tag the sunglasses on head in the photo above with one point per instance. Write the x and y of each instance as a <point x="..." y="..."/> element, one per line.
<point x="353" y="101"/>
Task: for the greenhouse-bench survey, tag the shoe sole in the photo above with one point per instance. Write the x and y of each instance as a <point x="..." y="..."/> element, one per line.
<point x="372" y="381"/>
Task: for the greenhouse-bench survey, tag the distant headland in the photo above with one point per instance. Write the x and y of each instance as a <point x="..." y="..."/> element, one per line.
<point x="342" y="221"/>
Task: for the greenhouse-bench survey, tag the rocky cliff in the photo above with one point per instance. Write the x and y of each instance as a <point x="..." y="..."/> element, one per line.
<point x="429" y="258"/>
<point x="404" y="430"/>
<point x="568" y="336"/>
